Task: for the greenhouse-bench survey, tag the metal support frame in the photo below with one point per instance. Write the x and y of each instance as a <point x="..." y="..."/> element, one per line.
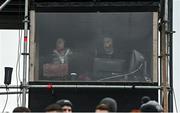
<point x="166" y="14"/>
<point x="95" y="86"/>
<point x="5" y="93"/>
<point x="25" y="55"/>
<point x="170" y="28"/>
<point x="81" y="86"/>
<point x="4" y="4"/>
<point x="166" y="55"/>
<point x="166" y="60"/>
<point x="10" y="87"/>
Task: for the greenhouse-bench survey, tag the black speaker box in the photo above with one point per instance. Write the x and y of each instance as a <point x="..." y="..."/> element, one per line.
<point x="8" y="75"/>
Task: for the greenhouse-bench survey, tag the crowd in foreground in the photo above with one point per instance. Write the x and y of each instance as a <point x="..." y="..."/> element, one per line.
<point x="106" y="105"/>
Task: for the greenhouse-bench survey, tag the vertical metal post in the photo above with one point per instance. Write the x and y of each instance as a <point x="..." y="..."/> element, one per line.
<point x="170" y="29"/>
<point x="164" y="55"/>
<point x="25" y="54"/>
<point x="160" y="39"/>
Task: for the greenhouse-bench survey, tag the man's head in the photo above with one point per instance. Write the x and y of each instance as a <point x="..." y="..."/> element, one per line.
<point x="66" y="105"/>
<point x="151" y="106"/>
<point x="53" y="108"/>
<point x="102" y="108"/>
<point x="60" y="44"/>
<point x="21" y="109"/>
<point x="145" y="99"/>
<point x="108" y="43"/>
<point x="110" y="103"/>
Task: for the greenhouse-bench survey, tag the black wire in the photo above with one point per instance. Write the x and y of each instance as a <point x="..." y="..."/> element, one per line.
<point x="19" y="48"/>
<point x="18" y="63"/>
<point x="6" y="100"/>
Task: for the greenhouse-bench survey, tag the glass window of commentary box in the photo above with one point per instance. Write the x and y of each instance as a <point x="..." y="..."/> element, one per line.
<point x="120" y="47"/>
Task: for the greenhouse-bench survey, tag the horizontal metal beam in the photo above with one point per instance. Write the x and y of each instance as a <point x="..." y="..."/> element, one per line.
<point x="94" y="86"/>
<point x="119" y="6"/>
<point x="77" y="4"/>
<point x="12" y="92"/>
<point x="10" y="86"/>
<point x="82" y="86"/>
<point x="92" y="0"/>
<point x="5" y="93"/>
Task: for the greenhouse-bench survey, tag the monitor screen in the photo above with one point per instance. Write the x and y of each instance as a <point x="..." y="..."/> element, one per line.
<point x="94" y="46"/>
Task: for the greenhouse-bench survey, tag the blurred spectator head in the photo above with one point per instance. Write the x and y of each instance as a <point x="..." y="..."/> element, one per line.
<point x="151" y="106"/>
<point x="66" y="105"/>
<point x="52" y="108"/>
<point x="110" y="103"/>
<point x="102" y="108"/>
<point x="21" y="109"/>
<point x="145" y="99"/>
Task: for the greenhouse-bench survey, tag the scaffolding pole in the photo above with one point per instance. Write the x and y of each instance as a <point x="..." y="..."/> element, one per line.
<point x="164" y="55"/>
<point x="170" y="32"/>
<point x="25" y="54"/>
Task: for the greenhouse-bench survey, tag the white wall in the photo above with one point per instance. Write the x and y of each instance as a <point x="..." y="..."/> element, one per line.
<point x="8" y="56"/>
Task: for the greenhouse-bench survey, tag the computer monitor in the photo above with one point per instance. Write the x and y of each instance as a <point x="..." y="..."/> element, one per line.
<point x="138" y="68"/>
<point x="105" y="67"/>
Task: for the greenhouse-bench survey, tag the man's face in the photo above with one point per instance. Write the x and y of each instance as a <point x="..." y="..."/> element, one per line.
<point x="67" y="109"/>
<point x="108" y="43"/>
<point x="60" y="44"/>
<point x="101" y="111"/>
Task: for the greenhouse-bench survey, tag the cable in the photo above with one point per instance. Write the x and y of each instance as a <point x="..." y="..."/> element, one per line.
<point x="122" y="75"/>
<point x="19" y="54"/>
<point x="6" y="100"/>
<point x="175" y="101"/>
<point x="18" y="63"/>
<point x="20" y="38"/>
<point x="19" y="99"/>
<point x="4" y="4"/>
